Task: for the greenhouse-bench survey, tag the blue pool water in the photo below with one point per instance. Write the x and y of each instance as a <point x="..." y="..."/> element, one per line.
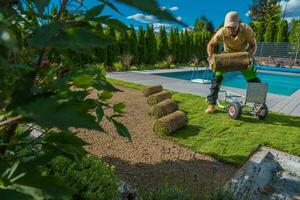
<point x="278" y="83"/>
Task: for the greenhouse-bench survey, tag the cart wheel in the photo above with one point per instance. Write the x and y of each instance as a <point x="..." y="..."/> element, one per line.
<point x="234" y="110"/>
<point x="262" y="112"/>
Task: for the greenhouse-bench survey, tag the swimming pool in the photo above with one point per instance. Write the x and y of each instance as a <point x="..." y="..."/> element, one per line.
<point x="283" y="84"/>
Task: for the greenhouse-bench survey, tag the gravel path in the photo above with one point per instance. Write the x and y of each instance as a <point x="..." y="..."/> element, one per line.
<point x="150" y="162"/>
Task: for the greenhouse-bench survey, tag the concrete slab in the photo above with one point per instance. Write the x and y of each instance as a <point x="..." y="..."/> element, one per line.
<point x="269" y="174"/>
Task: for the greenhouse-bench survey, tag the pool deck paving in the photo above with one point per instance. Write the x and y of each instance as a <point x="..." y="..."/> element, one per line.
<point x="289" y="105"/>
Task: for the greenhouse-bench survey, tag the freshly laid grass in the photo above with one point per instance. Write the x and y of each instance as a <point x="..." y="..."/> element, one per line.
<point x="231" y="140"/>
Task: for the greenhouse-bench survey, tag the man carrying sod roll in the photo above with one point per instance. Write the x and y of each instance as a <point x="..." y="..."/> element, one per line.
<point x="237" y="37"/>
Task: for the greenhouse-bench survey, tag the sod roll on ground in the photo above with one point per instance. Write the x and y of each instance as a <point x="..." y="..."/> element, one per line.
<point x="170" y="123"/>
<point x="163" y="108"/>
<point x="152" y="90"/>
<point x="228" y="62"/>
<point x="158" y="97"/>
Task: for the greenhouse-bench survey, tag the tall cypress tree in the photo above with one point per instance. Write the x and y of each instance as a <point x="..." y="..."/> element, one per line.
<point x="177" y="44"/>
<point x="133" y="44"/>
<point x="163" y="44"/>
<point x="124" y="43"/>
<point x="189" y="44"/>
<point x="151" y="45"/>
<point x="113" y="51"/>
<point x="202" y="24"/>
<point x="172" y="43"/>
<point x="282" y="34"/>
<point x="259" y="29"/>
<point x="270" y="31"/>
<point x="142" y="48"/>
<point x="183" y="48"/>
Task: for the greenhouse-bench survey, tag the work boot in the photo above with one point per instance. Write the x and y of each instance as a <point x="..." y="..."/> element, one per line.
<point x="210" y="109"/>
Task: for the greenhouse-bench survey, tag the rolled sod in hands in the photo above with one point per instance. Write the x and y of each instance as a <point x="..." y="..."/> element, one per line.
<point x="152" y="90"/>
<point x="163" y="108"/>
<point x="158" y="97"/>
<point x="170" y="123"/>
<point x="228" y="62"/>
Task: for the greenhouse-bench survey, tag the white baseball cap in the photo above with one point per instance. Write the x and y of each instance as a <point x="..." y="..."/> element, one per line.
<point x="232" y="19"/>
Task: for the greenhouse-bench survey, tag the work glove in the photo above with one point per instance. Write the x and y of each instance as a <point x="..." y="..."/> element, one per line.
<point x="251" y="62"/>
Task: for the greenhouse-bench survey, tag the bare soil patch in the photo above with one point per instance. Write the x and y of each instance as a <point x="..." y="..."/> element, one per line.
<point x="150" y="162"/>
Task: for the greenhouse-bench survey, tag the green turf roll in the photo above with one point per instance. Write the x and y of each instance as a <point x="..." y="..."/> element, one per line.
<point x="152" y="90"/>
<point x="158" y="97"/>
<point x="170" y="123"/>
<point x="228" y="62"/>
<point x="163" y="108"/>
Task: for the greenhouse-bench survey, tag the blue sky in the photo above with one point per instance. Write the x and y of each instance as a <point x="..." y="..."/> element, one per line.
<point x="189" y="10"/>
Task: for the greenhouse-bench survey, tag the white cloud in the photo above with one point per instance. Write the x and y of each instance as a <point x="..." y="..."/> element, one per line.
<point x="290" y="9"/>
<point x="163" y="8"/>
<point x="173" y="8"/>
<point x="149" y="19"/>
<point x="188" y="29"/>
<point x="248" y="13"/>
<point x="156" y="26"/>
<point x="179" y="18"/>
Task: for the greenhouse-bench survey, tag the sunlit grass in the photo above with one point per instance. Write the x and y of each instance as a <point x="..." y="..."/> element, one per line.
<point x="231" y="140"/>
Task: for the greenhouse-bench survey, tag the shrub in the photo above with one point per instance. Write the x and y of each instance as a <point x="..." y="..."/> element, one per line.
<point x="170" y="60"/>
<point x="222" y="194"/>
<point x="126" y="61"/>
<point x="118" y="66"/>
<point x="90" y="177"/>
<point x="194" y="60"/>
<point x="133" y="68"/>
<point x="166" y="193"/>
<point x="161" y="65"/>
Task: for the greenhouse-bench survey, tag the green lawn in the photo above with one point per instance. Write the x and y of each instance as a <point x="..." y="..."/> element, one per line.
<point x="230" y="140"/>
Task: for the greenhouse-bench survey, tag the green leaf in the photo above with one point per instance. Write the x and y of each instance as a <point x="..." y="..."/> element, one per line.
<point x="60" y="113"/>
<point x="119" y="107"/>
<point x="102" y="84"/>
<point x="99" y="113"/>
<point x="68" y="150"/>
<point x="151" y="7"/>
<point x="41" y="4"/>
<point x="80" y="38"/>
<point x="7" y="37"/>
<point x="121" y="129"/>
<point x="105" y="95"/>
<point x="117" y="25"/>
<point x="93" y="12"/>
<point x="42" y="187"/>
<point x="44" y="35"/>
<point x="64" y="138"/>
<point x="112" y="6"/>
<point x="13" y="169"/>
<point x="102" y="18"/>
<point x="83" y="80"/>
<point x="10" y="194"/>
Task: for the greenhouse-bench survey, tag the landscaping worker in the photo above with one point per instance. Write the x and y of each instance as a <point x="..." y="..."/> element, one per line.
<point x="236" y="37"/>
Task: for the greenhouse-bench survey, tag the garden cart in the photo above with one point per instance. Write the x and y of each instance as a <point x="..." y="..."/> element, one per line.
<point x="253" y="103"/>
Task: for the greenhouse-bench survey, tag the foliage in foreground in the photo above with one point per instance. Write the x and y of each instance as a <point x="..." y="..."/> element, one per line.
<point x="45" y="88"/>
<point x="89" y="178"/>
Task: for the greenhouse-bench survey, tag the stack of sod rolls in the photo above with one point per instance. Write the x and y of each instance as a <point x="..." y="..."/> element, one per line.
<point x="170" y="123"/>
<point x="164" y="110"/>
<point x="152" y="90"/>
